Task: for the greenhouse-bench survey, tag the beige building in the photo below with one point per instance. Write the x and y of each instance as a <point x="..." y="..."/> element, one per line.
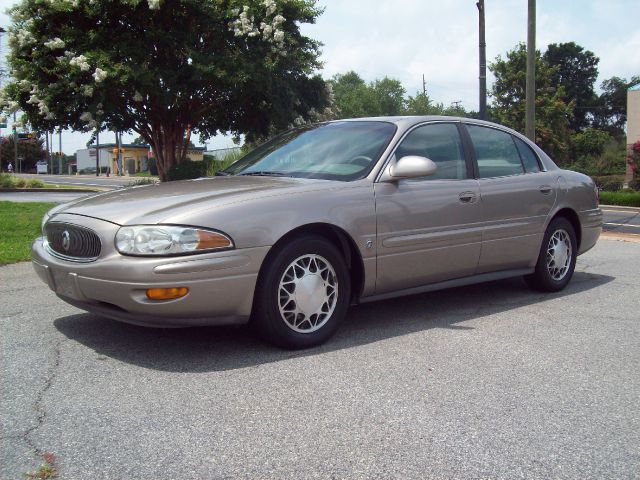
<point x="633" y="122"/>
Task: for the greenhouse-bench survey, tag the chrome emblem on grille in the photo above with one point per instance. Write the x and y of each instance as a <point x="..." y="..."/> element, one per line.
<point x="66" y="240"/>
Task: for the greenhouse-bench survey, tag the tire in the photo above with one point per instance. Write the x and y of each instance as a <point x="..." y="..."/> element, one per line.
<point x="302" y="294"/>
<point x="557" y="258"/>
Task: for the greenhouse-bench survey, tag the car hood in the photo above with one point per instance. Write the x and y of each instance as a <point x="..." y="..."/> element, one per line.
<point x="158" y="203"/>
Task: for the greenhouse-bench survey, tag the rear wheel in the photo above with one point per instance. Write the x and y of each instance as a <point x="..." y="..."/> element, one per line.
<point x="557" y="258"/>
<point x="302" y="294"/>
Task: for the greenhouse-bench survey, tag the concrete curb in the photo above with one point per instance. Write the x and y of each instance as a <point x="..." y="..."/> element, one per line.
<point x="620" y="207"/>
<point x="53" y="190"/>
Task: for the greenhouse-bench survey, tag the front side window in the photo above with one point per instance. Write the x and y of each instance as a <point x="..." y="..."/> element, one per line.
<point x="441" y="143"/>
<point x="331" y="151"/>
<point x="496" y="153"/>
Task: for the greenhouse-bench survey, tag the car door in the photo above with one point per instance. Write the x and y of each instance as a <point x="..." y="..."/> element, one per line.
<point x="428" y="228"/>
<point x="516" y="198"/>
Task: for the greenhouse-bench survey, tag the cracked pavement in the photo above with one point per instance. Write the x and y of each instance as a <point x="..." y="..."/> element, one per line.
<point x="492" y="381"/>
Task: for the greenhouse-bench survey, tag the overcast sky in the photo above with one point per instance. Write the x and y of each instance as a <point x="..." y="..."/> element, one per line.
<point x="405" y="39"/>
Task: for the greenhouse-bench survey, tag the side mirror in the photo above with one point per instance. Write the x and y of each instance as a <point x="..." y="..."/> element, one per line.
<point x="411" y="166"/>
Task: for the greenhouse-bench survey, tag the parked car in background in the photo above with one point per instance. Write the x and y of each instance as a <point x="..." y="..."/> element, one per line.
<point x="322" y="217"/>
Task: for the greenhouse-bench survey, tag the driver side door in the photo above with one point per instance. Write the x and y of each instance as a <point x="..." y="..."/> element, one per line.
<point x="428" y="228"/>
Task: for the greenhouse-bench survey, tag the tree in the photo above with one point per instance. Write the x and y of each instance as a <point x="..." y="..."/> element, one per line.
<point x="576" y="70"/>
<point x="612" y="104"/>
<point x="552" y="113"/>
<point x="164" y="69"/>
<point x="354" y="98"/>
<point x="30" y="151"/>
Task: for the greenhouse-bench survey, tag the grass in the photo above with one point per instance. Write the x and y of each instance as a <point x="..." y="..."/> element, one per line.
<point x="20" y="226"/>
<point x="626" y="198"/>
<point x="47" y="470"/>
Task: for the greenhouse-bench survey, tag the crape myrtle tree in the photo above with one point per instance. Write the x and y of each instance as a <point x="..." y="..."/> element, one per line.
<point x="164" y="69"/>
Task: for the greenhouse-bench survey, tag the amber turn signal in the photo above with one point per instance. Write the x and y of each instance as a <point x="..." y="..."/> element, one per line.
<point x="166" y="293"/>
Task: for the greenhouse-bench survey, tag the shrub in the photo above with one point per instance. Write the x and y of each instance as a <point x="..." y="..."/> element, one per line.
<point x="626" y="198"/>
<point x="7" y="181"/>
<point x="186" y="171"/>
<point x="603" y="181"/>
<point x="611" y="186"/>
<point x="20" y="183"/>
<point x="35" y="183"/>
<point x="635" y="184"/>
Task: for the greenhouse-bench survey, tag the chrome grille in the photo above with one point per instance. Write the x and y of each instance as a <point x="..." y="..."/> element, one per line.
<point x="72" y="242"/>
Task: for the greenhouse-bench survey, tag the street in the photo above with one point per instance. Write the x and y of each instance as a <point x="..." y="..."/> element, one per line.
<point x="487" y="381"/>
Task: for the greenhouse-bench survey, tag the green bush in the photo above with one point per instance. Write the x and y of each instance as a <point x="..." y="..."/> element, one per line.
<point x="7" y="181"/>
<point x="20" y="183"/>
<point x="35" y="183"/>
<point x="626" y="198"/>
<point x="603" y="181"/>
<point x="186" y="171"/>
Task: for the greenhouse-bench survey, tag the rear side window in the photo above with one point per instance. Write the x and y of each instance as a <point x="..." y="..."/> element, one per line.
<point x="496" y="153"/>
<point x="441" y="143"/>
<point x="529" y="159"/>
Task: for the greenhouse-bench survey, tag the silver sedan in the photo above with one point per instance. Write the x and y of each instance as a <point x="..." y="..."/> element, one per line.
<point x="320" y="218"/>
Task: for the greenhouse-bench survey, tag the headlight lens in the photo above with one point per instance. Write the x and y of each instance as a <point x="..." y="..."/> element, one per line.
<point x="168" y="240"/>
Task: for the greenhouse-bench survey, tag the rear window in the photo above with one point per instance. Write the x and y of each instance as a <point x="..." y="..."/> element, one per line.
<point x="496" y="153"/>
<point x="529" y="159"/>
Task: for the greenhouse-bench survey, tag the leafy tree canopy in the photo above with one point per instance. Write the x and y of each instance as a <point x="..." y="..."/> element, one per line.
<point x="164" y="68"/>
<point x="31" y="151"/>
<point x="576" y="70"/>
<point x="552" y="112"/>
<point x="612" y="104"/>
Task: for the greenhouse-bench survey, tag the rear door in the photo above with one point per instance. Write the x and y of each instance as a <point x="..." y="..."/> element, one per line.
<point x="427" y="227"/>
<point x="516" y="198"/>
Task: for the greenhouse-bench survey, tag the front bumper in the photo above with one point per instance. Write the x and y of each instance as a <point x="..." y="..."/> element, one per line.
<point x="221" y="285"/>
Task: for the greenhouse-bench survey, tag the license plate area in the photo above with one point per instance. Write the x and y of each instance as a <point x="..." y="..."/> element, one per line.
<point x="66" y="284"/>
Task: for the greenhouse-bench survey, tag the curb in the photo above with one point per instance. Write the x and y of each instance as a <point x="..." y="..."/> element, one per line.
<point x="51" y="190"/>
<point x="620" y="207"/>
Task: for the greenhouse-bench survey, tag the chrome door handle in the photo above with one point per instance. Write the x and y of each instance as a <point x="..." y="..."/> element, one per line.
<point x="467" y="197"/>
<point x="545" y="189"/>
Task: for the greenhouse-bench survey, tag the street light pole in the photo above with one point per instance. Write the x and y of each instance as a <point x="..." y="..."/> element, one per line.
<point x="530" y="107"/>
<point x="483" y="61"/>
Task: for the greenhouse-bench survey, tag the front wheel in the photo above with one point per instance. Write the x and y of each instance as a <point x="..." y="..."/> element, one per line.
<point x="302" y="294"/>
<point x="557" y="258"/>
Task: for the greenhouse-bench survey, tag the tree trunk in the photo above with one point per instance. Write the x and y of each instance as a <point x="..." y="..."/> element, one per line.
<point x="167" y="144"/>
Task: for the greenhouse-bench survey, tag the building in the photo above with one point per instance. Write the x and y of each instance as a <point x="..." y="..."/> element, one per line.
<point x="135" y="158"/>
<point x="633" y="122"/>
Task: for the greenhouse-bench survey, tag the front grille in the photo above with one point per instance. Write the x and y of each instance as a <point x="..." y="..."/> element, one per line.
<point x="72" y="242"/>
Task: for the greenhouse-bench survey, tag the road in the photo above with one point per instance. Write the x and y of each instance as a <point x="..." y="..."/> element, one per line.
<point x="488" y="381"/>
<point x="621" y="220"/>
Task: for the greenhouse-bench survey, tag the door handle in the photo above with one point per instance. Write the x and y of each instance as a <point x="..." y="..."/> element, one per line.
<point x="467" y="197"/>
<point x="545" y="189"/>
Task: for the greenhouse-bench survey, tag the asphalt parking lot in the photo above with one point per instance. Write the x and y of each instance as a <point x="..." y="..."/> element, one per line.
<point x="488" y="381"/>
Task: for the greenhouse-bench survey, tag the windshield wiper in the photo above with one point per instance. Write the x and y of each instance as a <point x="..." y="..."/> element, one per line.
<point x="262" y="173"/>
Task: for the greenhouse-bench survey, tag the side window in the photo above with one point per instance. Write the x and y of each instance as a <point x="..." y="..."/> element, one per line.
<point x="496" y="153"/>
<point x="529" y="159"/>
<point x="441" y="143"/>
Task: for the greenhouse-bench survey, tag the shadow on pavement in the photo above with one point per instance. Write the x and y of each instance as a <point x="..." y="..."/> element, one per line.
<point x="206" y="349"/>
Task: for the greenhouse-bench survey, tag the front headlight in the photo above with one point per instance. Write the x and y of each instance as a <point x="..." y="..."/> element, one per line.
<point x="168" y="240"/>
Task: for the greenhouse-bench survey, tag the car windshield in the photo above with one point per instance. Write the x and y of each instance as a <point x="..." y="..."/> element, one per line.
<point x="331" y="151"/>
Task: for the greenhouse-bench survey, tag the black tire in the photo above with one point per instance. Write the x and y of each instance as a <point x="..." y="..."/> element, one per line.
<point x="549" y="275"/>
<point x="286" y="293"/>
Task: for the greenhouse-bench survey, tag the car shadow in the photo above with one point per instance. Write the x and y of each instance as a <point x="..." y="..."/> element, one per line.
<point x="205" y="349"/>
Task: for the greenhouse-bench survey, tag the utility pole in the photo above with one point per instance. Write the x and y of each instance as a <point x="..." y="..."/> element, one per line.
<point x="424" y="85"/>
<point x="60" y="150"/>
<point x="483" y="61"/>
<point x="49" y="166"/>
<point x="98" y="152"/>
<point x="530" y="109"/>
<point x="15" y="144"/>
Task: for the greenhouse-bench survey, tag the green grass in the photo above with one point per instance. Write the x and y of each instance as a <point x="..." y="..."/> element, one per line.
<point x="20" y="226"/>
<point x="625" y="198"/>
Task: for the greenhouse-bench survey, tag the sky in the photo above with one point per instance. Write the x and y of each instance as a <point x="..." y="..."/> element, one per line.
<point x="404" y="39"/>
